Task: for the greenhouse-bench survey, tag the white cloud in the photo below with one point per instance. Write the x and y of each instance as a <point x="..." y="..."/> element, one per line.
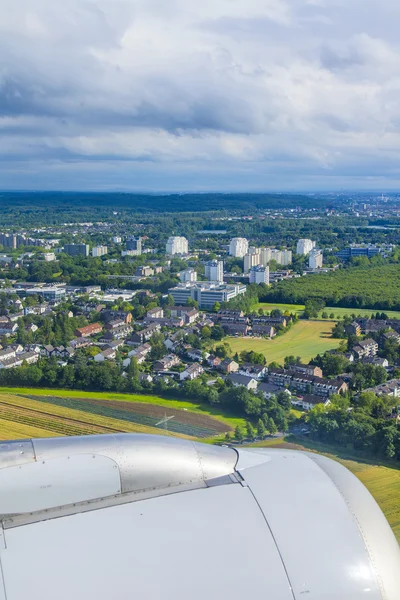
<point x="293" y="88"/>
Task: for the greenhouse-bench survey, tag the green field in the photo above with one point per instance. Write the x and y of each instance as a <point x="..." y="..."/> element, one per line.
<point x="364" y="312"/>
<point x="338" y="312"/>
<point x="292" y="308"/>
<point x="305" y="339"/>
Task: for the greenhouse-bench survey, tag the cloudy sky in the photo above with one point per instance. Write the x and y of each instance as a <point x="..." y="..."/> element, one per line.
<point x="199" y="95"/>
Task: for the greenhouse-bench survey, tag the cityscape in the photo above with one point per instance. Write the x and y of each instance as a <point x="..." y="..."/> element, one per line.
<point x="199" y="300"/>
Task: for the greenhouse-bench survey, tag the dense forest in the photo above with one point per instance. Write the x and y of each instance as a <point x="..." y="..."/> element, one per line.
<point x="376" y="287"/>
<point x="37" y="208"/>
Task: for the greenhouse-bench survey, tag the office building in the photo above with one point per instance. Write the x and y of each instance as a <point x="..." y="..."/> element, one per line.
<point x="177" y="245"/>
<point x="315" y="259"/>
<point x="353" y="251"/>
<point x="134" y="244"/>
<point x="77" y="249"/>
<point x="251" y="260"/>
<point x="206" y="294"/>
<point x="99" y="251"/>
<point x="48" y="293"/>
<point x="259" y="274"/>
<point x="214" y="270"/>
<point x="304" y="246"/>
<point x="238" y="247"/>
<point x="188" y="276"/>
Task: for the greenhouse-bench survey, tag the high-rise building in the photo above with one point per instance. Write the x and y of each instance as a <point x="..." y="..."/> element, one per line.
<point x="265" y="255"/>
<point x="99" y="251"/>
<point x="259" y="274"/>
<point x="251" y="260"/>
<point x="116" y="239"/>
<point x="177" y="245"/>
<point x="304" y="246"/>
<point x="77" y="249"/>
<point x="282" y="257"/>
<point x="188" y="275"/>
<point x="238" y="247"/>
<point x="315" y="259"/>
<point x="134" y="244"/>
<point x="214" y="270"/>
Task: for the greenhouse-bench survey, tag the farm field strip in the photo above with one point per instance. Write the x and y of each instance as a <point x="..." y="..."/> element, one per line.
<point x="48" y="411"/>
<point x="10" y="430"/>
<point x="194" y="407"/>
<point x="47" y="421"/>
<point x="109" y="409"/>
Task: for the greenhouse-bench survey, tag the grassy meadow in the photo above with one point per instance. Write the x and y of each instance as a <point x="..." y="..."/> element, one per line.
<point x="305" y="339"/>
<point x="338" y="312"/>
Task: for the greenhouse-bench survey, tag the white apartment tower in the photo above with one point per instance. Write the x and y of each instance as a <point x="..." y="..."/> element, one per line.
<point x="265" y="255"/>
<point x="99" y="251"/>
<point x="259" y="274"/>
<point x="177" y="245"/>
<point x="214" y="270"/>
<point x="251" y="260"/>
<point x="304" y="246"/>
<point x="315" y="259"/>
<point x="282" y="257"/>
<point x="188" y="276"/>
<point x="238" y="247"/>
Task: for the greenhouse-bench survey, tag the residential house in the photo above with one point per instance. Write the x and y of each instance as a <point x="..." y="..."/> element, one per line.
<point x="145" y="378"/>
<point x="243" y="381"/>
<point x="268" y="389"/>
<point x="376" y="361"/>
<point x="188" y="313"/>
<point x="302" y="383"/>
<point x="8" y="328"/>
<point x="214" y="361"/>
<point x="109" y="315"/>
<point x="114" y="324"/>
<point x="389" y="388"/>
<point x="372" y="325"/>
<point x="169" y="322"/>
<point x="139" y="337"/>
<point x="353" y="328"/>
<point x="196" y="354"/>
<point x="191" y="372"/>
<point x="89" y="330"/>
<point x="228" y="365"/>
<point x="308" y="401"/>
<point x="270" y="321"/>
<point x="393" y="336"/>
<point x="107" y="354"/>
<point x="166" y="363"/>
<point x="143" y="349"/>
<point x="263" y="330"/>
<point x="235" y="328"/>
<point x="368" y="347"/>
<point x="311" y="370"/>
<point x="252" y="370"/>
<point x="230" y="313"/>
<point x="155" y="313"/>
<point x="47" y="350"/>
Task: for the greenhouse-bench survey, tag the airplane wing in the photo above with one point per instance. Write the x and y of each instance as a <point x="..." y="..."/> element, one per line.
<point x="152" y="517"/>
